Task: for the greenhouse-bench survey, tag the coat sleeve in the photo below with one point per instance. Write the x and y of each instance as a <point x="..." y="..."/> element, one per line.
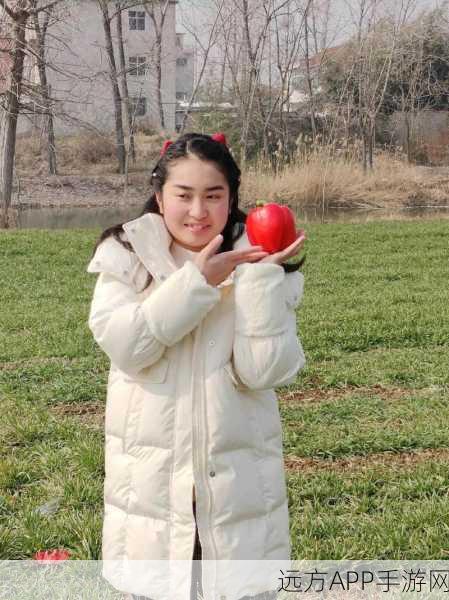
<point x="267" y="352"/>
<point x="135" y="333"/>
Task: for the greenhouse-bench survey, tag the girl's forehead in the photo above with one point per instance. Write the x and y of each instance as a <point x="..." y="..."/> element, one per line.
<point x="195" y="172"/>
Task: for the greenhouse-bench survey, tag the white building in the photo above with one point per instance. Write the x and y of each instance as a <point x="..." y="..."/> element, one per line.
<point x="78" y="71"/>
<point x="185" y="69"/>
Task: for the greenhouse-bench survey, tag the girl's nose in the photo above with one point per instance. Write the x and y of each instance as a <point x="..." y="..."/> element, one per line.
<point x="198" y="210"/>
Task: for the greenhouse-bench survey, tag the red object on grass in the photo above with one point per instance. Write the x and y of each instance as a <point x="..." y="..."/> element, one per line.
<point x="46" y="556"/>
<point x="271" y="226"/>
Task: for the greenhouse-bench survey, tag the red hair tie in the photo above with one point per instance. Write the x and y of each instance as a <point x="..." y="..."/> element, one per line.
<point x="220" y="138"/>
<point x="217" y="137"/>
<point x="167" y="143"/>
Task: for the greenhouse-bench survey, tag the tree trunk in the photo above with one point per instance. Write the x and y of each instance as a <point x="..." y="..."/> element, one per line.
<point x="51" y="143"/>
<point x="185" y="116"/>
<point x="222" y="78"/>
<point x="124" y="81"/>
<point x="364" y="151"/>
<point x="45" y="93"/>
<point x="348" y="129"/>
<point x="121" y="153"/>
<point x="248" y="85"/>
<point x="11" y="113"/>
<point x="308" y="75"/>
<point x="159" y="78"/>
<point x="407" y="138"/>
<point x="159" y="29"/>
<point x="265" y="132"/>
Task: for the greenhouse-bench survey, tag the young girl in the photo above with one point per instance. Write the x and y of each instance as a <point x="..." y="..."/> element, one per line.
<point x="199" y="326"/>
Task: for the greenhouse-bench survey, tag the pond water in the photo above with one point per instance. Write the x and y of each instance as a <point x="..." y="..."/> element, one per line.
<point x="87" y="218"/>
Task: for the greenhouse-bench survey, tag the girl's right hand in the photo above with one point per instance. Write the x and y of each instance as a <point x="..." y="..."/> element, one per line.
<point x="217" y="267"/>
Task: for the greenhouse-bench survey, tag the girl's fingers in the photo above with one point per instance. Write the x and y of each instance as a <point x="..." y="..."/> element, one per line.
<point x="246" y="258"/>
<point x="297" y="244"/>
<point x="237" y="254"/>
<point x="292" y="250"/>
<point x="254" y="257"/>
<point x="212" y="247"/>
<point x="300" y="239"/>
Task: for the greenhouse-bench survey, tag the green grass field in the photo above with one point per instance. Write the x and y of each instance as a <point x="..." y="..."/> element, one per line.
<point x="366" y="425"/>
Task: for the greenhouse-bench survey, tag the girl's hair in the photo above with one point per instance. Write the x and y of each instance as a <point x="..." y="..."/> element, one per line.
<point x="205" y="148"/>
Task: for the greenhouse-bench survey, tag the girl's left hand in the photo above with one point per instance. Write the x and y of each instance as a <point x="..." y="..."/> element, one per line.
<point x="279" y="257"/>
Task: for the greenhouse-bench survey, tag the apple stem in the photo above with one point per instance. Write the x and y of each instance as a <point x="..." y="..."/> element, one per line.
<point x="260" y="203"/>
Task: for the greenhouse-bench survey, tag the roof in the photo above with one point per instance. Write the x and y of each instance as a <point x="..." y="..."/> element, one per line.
<point x="318" y="60"/>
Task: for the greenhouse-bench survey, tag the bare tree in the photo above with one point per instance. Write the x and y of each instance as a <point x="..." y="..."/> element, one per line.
<point x="17" y="15"/>
<point x="289" y="34"/>
<point x="206" y="49"/>
<point x="252" y="25"/>
<point x="410" y="67"/>
<point x="251" y="36"/>
<point x="307" y="62"/>
<point x="124" y="79"/>
<point x="377" y="37"/>
<point x="41" y="34"/>
<point x="113" y="76"/>
<point x="157" y="11"/>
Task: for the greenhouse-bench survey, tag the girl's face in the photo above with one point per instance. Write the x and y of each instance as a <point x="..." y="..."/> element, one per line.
<point x="194" y="202"/>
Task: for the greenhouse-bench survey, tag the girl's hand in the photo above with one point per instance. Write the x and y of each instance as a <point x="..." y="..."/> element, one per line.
<point x="217" y="267"/>
<point x="279" y="257"/>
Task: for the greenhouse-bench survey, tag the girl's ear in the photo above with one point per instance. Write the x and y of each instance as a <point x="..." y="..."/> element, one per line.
<point x="159" y="201"/>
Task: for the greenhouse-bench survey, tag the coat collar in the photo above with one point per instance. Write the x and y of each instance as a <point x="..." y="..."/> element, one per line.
<point x="151" y="241"/>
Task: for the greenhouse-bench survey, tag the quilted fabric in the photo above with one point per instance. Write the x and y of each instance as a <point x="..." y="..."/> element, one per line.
<point x="191" y="401"/>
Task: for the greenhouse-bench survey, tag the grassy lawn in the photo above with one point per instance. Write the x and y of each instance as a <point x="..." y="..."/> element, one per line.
<point x="366" y="425"/>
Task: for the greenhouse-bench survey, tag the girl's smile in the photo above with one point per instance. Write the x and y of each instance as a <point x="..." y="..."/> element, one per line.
<point x="197" y="228"/>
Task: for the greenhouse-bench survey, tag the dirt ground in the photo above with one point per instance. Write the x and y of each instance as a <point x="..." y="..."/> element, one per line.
<point x="90" y="191"/>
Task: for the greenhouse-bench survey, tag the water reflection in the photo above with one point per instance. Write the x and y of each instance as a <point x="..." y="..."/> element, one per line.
<point x="88" y="218"/>
<point x="341" y="215"/>
<point x="76" y="218"/>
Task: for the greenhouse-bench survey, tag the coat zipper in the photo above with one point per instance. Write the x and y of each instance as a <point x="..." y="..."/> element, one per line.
<point x="199" y="453"/>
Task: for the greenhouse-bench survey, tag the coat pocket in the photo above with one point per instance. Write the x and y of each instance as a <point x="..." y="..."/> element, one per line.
<point x="229" y="368"/>
<point x="155" y="373"/>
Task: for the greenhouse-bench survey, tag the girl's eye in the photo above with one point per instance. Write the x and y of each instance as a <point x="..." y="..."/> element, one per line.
<point x="209" y="197"/>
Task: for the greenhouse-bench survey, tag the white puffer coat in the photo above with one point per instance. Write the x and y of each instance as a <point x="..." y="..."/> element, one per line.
<point x="190" y="401"/>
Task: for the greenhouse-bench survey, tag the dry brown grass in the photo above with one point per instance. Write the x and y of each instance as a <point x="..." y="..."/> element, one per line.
<point x="84" y="154"/>
<point x="387" y="459"/>
<point x="323" y="179"/>
<point x="317" y="394"/>
<point x="334" y="181"/>
<point x="87" y="149"/>
<point x="90" y="414"/>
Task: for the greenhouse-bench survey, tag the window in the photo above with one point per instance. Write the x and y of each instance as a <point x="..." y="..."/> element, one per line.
<point x="181" y="62"/>
<point x="137" y="65"/>
<point x="138" y="106"/>
<point x="136" y="20"/>
<point x="181" y="96"/>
